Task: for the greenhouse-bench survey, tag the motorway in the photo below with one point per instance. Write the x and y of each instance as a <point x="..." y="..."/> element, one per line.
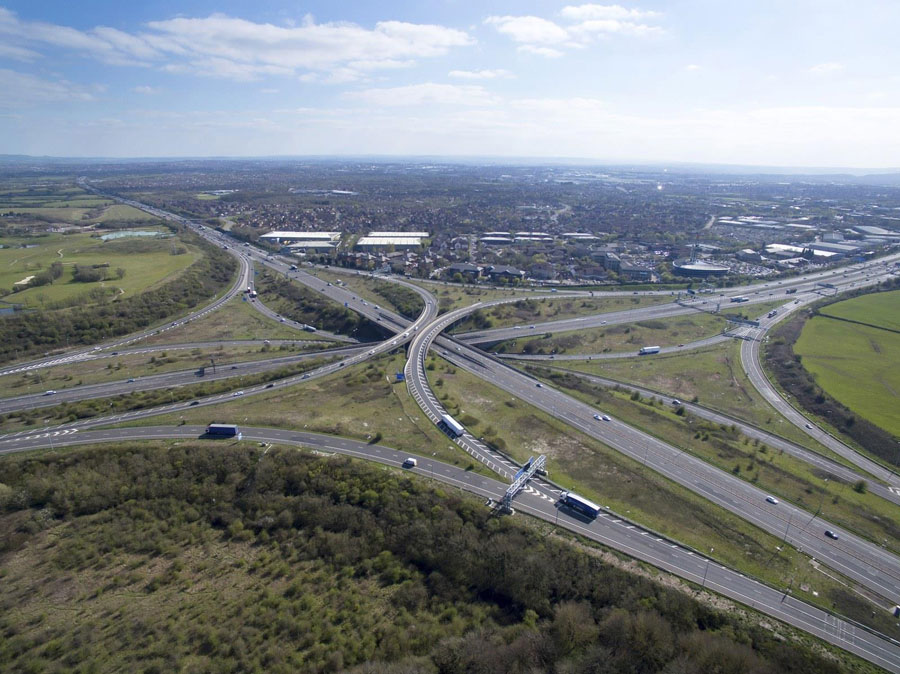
<point x="848" y="277"/>
<point x="822" y="463"/>
<point x="857" y="559"/>
<point x="607" y="529"/>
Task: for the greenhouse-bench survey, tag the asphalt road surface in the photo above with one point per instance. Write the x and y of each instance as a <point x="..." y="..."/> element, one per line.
<point x="607" y="529"/>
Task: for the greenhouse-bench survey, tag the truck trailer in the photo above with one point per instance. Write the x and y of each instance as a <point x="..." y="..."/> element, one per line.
<point x="580" y="504"/>
<point x="647" y="350"/>
<point x="451" y="426"/>
<point x="223" y="431"/>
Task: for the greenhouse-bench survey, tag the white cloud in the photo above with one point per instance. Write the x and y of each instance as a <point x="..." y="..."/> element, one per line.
<point x="604" y="12"/>
<point x="826" y="68"/>
<point x="587" y="29"/>
<point x="222" y="46"/>
<point x="479" y="74"/>
<point x="547" y="52"/>
<point x="692" y="66"/>
<point x="24" y="90"/>
<point x="17" y="53"/>
<point x="146" y="90"/>
<point x="426" y="94"/>
<point x="540" y="36"/>
<point x="529" y="29"/>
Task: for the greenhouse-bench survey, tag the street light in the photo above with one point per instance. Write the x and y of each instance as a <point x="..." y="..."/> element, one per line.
<point x="706" y="570"/>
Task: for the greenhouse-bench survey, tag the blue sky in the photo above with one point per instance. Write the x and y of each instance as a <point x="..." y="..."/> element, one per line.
<point x="768" y="82"/>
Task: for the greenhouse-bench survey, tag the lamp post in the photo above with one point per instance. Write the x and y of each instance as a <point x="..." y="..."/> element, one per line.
<point x="706" y="570"/>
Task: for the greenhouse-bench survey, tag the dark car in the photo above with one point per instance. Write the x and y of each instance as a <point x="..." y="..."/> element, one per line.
<point x="833" y="536"/>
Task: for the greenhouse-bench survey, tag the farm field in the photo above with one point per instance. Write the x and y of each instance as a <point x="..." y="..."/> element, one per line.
<point x="857" y="364"/>
<point x="880" y="310"/>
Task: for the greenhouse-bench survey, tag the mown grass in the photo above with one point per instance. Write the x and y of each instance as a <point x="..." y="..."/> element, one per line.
<point x="236" y="320"/>
<point x="877" y="309"/>
<point x="607" y="477"/>
<point x="789" y="478"/>
<point x="856" y="365"/>
<point x="147" y="263"/>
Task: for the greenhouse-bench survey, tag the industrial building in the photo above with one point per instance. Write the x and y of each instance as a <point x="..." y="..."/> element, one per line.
<point x="295" y="237"/>
<point x="391" y="241"/>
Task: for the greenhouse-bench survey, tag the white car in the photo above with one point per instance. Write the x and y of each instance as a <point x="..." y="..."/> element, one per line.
<point x="597" y="417"/>
<point x="50" y="393"/>
<point x="606" y="418"/>
<point x="772" y="500"/>
<point x="237" y="393"/>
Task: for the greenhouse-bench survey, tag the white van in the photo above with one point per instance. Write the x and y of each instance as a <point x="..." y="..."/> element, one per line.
<point x="410" y="462"/>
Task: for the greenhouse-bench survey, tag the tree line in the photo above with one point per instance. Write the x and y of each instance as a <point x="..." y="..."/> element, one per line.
<point x="224" y="557"/>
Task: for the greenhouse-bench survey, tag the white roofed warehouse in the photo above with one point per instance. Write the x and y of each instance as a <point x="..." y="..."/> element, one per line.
<point x="391" y="241"/>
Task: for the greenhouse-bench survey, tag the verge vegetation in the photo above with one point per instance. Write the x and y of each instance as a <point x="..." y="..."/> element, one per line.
<point x="303" y="305"/>
<point x="225" y="558"/>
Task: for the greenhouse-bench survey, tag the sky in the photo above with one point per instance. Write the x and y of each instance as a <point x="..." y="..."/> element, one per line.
<point x="803" y="83"/>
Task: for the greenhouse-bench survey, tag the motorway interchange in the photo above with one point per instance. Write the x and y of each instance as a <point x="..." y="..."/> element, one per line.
<point x="867" y="564"/>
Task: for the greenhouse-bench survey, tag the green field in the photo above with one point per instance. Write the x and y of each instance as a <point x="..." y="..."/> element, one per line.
<point x="857" y="364"/>
<point x="59" y="201"/>
<point x="146" y="263"/>
<point x="880" y="310"/>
